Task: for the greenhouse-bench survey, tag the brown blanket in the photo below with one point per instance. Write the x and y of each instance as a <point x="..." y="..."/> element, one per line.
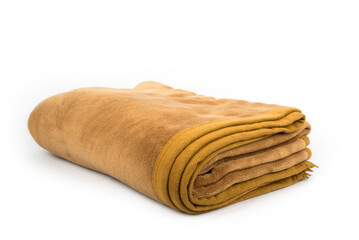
<point x="191" y="152"/>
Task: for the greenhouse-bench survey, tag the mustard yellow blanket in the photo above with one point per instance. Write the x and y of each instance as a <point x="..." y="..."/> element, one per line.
<point x="191" y="152"/>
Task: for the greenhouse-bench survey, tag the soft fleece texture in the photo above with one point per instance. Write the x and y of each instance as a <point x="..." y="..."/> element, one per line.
<point x="191" y="152"/>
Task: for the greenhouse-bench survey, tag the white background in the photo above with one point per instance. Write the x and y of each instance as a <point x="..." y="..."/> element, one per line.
<point x="297" y="53"/>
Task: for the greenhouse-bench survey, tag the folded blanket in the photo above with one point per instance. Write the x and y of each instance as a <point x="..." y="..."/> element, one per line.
<point x="191" y="152"/>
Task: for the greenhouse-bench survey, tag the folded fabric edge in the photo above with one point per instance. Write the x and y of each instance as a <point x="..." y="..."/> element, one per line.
<point x="281" y="116"/>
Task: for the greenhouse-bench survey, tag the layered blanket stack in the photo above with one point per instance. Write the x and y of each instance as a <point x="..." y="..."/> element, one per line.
<point x="191" y="152"/>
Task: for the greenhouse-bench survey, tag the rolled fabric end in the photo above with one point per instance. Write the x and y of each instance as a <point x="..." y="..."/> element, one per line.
<point x="270" y="149"/>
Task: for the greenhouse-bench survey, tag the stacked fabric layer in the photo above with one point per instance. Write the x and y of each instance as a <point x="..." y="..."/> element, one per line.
<point x="191" y="152"/>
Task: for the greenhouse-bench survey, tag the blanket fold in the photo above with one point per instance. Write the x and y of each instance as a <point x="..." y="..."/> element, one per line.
<point x="191" y="152"/>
